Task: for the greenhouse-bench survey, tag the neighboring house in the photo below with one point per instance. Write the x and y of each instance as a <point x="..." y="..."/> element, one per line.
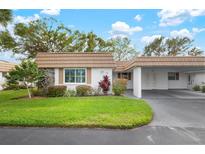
<point x="143" y="73"/>
<point x="4" y="68"/>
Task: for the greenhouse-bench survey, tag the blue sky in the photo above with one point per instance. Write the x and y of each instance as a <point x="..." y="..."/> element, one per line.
<point x="141" y="26"/>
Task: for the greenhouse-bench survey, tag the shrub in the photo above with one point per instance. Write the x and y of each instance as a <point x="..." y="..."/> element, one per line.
<point x="203" y="89"/>
<point x="13" y="86"/>
<point x="83" y="90"/>
<point x="196" y="88"/>
<point x="38" y="92"/>
<point x="105" y="84"/>
<point x="56" y="91"/>
<point x="70" y="93"/>
<point x="97" y="91"/>
<point x="119" y="86"/>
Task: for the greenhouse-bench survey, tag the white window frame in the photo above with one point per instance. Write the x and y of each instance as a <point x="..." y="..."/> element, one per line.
<point x="175" y="76"/>
<point x="75" y="71"/>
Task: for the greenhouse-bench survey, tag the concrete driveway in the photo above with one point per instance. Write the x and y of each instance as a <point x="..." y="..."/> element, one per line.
<point x="179" y="118"/>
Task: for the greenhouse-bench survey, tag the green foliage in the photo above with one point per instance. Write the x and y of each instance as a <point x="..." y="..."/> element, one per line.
<point x="47" y="35"/>
<point x="38" y="92"/>
<point x="6" y="41"/>
<point x="70" y="93"/>
<point x="155" y="48"/>
<point x="196" y="88"/>
<point x="5" y="17"/>
<point x="195" y="52"/>
<point x="56" y="91"/>
<point x="27" y="73"/>
<point x="13" y="86"/>
<point x="178" y="46"/>
<point x="122" y="49"/>
<point x="119" y="86"/>
<point x="203" y="89"/>
<point x="171" y="47"/>
<point x="84" y="90"/>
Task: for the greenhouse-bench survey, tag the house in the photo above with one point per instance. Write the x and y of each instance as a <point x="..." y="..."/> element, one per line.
<point x="4" y="68"/>
<point x="143" y="73"/>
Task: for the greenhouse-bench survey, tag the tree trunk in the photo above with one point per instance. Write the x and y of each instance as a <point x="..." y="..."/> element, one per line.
<point x="29" y="94"/>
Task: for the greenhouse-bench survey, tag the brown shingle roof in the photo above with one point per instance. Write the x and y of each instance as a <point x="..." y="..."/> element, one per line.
<point x="6" y="66"/>
<point x="62" y="60"/>
<point x="105" y="60"/>
<point x="186" y="61"/>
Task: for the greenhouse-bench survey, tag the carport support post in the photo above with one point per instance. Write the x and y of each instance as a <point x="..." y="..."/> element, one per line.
<point x="137" y="83"/>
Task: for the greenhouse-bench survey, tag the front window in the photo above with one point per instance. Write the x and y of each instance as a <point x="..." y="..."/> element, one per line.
<point x="126" y="75"/>
<point x="75" y="75"/>
<point x="173" y="75"/>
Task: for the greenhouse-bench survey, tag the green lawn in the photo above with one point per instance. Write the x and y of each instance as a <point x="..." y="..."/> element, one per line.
<point x="101" y="111"/>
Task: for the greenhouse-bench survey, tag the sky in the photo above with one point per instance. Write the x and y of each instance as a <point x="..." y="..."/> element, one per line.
<point x="141" y="26"/>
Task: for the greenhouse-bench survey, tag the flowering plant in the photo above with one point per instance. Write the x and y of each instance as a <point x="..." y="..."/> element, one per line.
<point x="105" y="84"/>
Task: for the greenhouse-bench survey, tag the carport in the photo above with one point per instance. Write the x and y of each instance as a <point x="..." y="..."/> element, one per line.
<point x="162" y="73"/>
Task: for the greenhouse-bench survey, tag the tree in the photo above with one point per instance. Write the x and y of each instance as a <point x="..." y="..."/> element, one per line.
<point x="122" y="49"/>
<point x="47" y="35"/>
<point x="5" y="17"/>
<point x="90" y="42"/>
<point x="171" y="47"/>
<point x="41" y="36"/>
<point x="155" y="48"/>
<point x="27" y="73"/>
<point x="195" y="52"/>
<point x="178" y="46"/>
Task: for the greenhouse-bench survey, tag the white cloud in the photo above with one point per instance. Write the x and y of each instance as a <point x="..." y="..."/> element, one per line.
<point x="138" y="18"/>
<point x="23" y="19"/>
<point x="149" y="39"/>
<point x="181" y="33"/>
<point x="118" y="36"/>
<point x="186" y="33"/>
<point x="195" y="12"/>
<point x="176" y="17"/>
<point x="53" y="12"/>
<point x="120" y="27"/>
<point x="198" y="30"/>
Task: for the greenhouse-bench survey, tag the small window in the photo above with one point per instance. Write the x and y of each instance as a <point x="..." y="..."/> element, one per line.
<point x="126" y="75"/>
<point x="75" y="75"/>
<point x="173" y="75"/>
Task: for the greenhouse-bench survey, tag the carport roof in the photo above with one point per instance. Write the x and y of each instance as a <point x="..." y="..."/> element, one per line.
<point x="185" y="61"/>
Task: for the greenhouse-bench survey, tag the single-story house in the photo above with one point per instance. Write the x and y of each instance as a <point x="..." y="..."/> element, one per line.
<point x="143" y="73"/>
<point x="5" y="67"/>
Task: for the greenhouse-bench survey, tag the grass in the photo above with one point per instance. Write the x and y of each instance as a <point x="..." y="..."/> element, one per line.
<point x="101" y="111"/>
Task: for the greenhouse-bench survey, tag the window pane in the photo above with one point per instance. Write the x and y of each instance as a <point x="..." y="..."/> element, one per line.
<point x="129" y="76"/>
<point x="119" y="75"/>
<point x="171" y="76"/>
<point x="177" y="76"/>
<point x="124" y="75"/>
<point x="70" y="75"/>
<point x="80" y="75"/>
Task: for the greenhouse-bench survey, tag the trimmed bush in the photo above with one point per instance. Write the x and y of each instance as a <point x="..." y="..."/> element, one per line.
<point x="196" y="88"/>
<point x="119" y="86"/>
<point x="56" y="91"/>
<point x="38" y="92"/>
<point x="203" y="89"/>
<point x="70" y="93"/>
<point x="84" y="90"/>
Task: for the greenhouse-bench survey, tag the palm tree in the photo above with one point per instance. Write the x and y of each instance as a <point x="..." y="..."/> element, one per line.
<point x="5" y="17"/>
<point x="195" y="52"/>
